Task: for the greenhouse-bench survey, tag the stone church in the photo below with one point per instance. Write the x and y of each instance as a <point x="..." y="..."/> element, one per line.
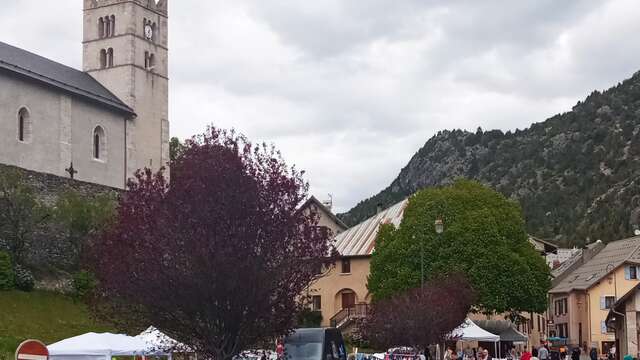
<point x="101" y="124"/>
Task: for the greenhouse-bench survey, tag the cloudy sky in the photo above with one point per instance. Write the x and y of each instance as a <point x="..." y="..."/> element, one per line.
<point x="349" y="90"/>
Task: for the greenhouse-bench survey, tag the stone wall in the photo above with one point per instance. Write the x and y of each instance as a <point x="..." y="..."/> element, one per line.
<point x="50" y="251"/>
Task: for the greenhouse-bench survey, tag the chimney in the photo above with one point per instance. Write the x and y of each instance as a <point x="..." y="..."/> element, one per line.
<point x="329" y="202"/>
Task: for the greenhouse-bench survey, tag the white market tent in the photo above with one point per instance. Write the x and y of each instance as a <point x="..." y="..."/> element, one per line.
<point x="94" y="346"/>
<point x="469" y="331"/>
<point x="160" y="342"/>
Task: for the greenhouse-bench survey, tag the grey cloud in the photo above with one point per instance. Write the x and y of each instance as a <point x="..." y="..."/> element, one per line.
<point x="348" y="89"/>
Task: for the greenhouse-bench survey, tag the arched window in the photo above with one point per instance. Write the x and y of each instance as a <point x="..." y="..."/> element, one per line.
<point x="107" y="30"/>
<point x="155" y="32"/>
<point x="99" y="144"/>
<point x="113" y="25"/>
<point x="103" y="58"/>
<point x="152" y="61"/>
<point x="146" y="59"/>
<point x="110" y="57"/>
<point x="101" y="27"/>
<point x="24" y="125"/>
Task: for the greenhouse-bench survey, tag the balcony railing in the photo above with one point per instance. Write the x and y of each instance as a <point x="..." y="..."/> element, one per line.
<point x="344" y="316"/>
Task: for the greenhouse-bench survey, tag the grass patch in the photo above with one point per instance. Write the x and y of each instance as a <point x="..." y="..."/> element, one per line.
<point x="45" y="316"/>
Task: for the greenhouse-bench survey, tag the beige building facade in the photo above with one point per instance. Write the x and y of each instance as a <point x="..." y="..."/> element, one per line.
<point x="582" y="300"/>
<point x="624" y="320"/>
<point x="342" y="296"/>
<point x="101" y="124"/>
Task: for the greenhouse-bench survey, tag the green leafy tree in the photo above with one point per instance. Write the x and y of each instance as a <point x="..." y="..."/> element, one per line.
<point x="175" y="148"/>
<point x="484" y="237"/>
<point x="83" y="216"/>
<point x="7" y="277"/>
<point x="21" y="213"/>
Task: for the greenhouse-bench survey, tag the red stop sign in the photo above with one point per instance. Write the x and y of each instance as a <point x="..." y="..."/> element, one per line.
<point x="32" y="350"/>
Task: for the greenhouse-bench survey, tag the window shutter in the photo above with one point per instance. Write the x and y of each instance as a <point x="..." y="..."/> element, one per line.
<point x="603" y="304"/>
<point x="627" y="272"/>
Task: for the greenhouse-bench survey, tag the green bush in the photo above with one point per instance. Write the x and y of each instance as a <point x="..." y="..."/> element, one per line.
<point x="308" y="318"/>
<point x="7" y="278"/>
<point x="83" y="284"/>
<point x="24" y="278"/>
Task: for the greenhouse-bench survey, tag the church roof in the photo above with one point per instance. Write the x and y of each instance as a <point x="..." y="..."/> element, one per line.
<point x="60" y="76"/>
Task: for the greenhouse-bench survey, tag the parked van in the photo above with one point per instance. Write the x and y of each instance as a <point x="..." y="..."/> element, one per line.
<point x="315" y="344"/>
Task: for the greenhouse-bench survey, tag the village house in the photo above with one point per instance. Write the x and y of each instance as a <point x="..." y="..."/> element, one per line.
<point x="342" y="296"/>
<point x="582" y="298"/>
<point x="623" y="319"/>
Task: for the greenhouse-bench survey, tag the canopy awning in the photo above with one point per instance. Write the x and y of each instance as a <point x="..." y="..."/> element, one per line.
<point x="504" y="328"/>
<point x="99" y="346"/>
<point x="469" y="331"/>
<point x="160" y="342"/>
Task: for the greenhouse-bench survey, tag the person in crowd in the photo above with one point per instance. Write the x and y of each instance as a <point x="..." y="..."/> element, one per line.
<point x="612" y="352"/>
<point x="485" y="355"/>
<point x="543" y="353"/>
<point x="480" y="353"/>
<point x="526" y="355"/>
<point x="593" y="353"/>
<point x="575" y="354"/>
<point x="468" y="353"/>
<point x="563" y="353"/>
<point x="280" y="350"/>
<point x="513" y="353"/>
<point x="534" y="351"/>
<point x="448" y="353"/>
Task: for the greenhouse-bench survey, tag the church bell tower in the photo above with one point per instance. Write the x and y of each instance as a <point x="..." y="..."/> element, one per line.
<point x="125" y="48"/>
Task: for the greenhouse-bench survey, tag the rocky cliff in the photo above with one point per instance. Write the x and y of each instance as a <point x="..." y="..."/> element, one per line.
<point x="576" y="174"/>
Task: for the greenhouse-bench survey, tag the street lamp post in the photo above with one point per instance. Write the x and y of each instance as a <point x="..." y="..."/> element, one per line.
<point x="439" y="225"/>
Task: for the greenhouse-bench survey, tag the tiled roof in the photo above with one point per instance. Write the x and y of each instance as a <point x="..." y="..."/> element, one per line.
<point x="360" y="239"/>
<point x="43" y="70"/>
<point x="567" y="264"/>
<point x="313" y="200"/>
<point x="611" y="257"/>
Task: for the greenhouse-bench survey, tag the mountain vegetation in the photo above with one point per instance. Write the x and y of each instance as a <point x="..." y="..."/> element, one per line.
<point x="576" y="175"/>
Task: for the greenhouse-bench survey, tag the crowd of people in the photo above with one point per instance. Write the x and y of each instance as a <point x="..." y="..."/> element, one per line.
<point x="541" y="352"/>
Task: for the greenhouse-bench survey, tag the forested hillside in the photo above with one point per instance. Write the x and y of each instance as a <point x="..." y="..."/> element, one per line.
<point x="575" y="174"/>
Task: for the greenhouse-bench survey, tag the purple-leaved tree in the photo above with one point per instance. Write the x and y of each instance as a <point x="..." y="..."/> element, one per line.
<point x="218" y="258"/>
<point x="420" y="317"/>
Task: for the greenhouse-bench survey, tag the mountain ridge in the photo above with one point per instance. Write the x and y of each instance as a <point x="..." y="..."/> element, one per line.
<point x="575" y="174"/>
